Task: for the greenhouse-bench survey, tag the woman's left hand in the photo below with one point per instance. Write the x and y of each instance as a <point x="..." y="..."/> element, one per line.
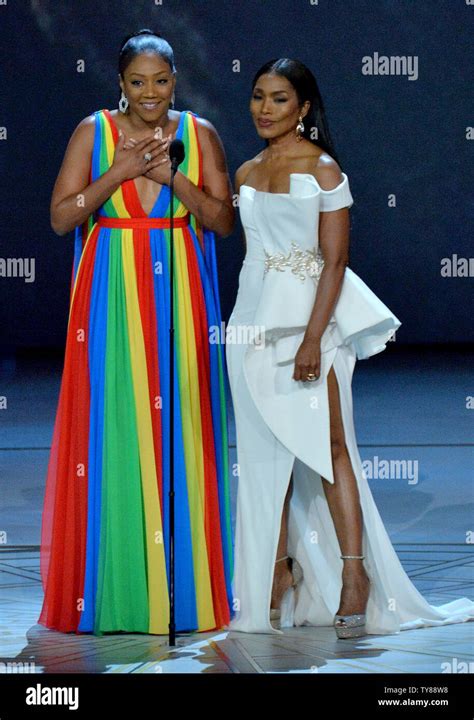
<point x="308" y="360"/>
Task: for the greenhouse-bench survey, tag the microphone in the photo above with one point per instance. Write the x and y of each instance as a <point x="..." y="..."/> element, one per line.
<point x="177" y="153"/>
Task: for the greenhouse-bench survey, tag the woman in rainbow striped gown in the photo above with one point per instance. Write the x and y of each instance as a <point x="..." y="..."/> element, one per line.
<point x="105" y="558"/>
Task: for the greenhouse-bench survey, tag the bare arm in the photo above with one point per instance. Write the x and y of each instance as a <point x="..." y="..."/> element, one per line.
<point x="334" y="243"/>
<point x="73" y="198"/>
<point x="213" y="204"/>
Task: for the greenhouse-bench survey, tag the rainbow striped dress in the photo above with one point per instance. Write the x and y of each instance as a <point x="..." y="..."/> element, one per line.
<point x="104" y="540"/>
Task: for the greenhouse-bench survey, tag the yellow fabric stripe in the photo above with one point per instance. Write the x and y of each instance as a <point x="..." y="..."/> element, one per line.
<point x="157" y="580"/>
<point x="192" y="432"/>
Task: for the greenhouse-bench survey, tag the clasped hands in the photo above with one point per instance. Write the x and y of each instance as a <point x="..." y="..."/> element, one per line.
<point x="148" y="157"/>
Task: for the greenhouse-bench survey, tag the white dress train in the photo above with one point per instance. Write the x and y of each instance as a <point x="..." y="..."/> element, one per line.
<point x="282" y="426"/>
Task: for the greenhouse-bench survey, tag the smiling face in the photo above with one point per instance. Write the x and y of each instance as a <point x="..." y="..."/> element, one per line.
<point x="148" y="85"/>
<point x="274" y="106"/>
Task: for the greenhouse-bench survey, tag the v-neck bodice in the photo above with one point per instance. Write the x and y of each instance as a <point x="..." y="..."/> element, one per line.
<point x="125" y="201"/>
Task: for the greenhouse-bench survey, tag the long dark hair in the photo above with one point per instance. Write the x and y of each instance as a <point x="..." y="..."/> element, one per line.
<point x="143" y="41"/>
<point x="306" y="88"/>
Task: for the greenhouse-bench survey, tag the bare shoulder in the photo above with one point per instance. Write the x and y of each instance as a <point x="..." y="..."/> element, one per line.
<point x="206" y="131"/>
<point x="327" y="172"/>
<point x="244" y="170"/>
<point x="83" y="135"/>
<point x="74" y="171"/>
<point x="212" y="147"/>
<point x="210" y="142"/>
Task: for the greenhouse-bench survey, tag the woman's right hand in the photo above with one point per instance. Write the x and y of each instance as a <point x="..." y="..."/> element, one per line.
<point x="129" y="162"/>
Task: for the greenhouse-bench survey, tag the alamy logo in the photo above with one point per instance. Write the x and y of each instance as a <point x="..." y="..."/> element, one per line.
<point x="39" y="695"/>
<point x="406" y="65"/>
<point x="18" y="267"/>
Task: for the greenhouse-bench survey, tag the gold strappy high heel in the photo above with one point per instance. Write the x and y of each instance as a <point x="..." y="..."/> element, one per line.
<point x="350" y="626"/>
<point x="284" y="615"/>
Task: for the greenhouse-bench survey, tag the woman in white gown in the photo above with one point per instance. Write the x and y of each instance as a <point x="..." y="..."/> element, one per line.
<point x="301" y="319"/>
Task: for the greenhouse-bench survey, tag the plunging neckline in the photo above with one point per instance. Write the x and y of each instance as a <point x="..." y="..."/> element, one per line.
<point x="132" y="180"/>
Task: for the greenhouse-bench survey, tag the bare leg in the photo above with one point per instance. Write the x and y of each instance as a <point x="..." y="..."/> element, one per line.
<point x="282" y="578"/>
<point x="344" y="505"/>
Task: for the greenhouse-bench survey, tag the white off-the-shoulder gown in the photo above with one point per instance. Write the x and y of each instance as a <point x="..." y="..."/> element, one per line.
<point x="282" y="425"/>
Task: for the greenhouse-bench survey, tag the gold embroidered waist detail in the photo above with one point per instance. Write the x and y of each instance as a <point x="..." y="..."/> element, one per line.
<point x="301" y="262"/>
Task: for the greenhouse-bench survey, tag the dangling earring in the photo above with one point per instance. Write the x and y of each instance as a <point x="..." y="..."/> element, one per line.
<point x="299" y="129"/>
<point x="172" y="100"/>
<point x="123" y="103"/>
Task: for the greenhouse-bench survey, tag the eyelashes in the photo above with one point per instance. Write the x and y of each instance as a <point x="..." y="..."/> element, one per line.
<point x="161" y="81"/>
<point x="278" y="100"/>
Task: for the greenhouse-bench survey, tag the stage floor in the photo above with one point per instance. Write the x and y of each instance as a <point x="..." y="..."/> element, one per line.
<point x="442" y="573"/>
<point x="409" y="405"/>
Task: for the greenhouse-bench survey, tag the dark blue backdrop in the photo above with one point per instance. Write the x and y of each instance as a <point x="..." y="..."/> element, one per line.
<point x="396" y="137"/>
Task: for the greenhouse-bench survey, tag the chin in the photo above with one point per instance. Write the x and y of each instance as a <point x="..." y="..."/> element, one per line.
<point x="267" y="133"/>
